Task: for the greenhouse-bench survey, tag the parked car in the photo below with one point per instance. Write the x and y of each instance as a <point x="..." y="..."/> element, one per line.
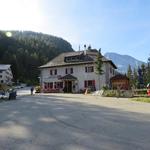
<point x="4" y="95"/>
<point x="10" y="94"/>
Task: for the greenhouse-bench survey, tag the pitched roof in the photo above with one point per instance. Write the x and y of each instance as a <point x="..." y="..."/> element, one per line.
<point x="119" y="76"/>
<point x="4" y="67"/>
<point x="84" y="57"/>
<point x="68" y="77"/>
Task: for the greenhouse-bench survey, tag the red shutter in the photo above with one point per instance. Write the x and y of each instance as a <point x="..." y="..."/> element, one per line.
<point x="93" y="82"/>
<point x="45" y="85"/>
<point x="55" y="85"/>
<point x="48" y="85"/>
<point x="51" y="85"/>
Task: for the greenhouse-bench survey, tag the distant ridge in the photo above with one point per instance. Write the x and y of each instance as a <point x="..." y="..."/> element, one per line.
<point x="123" y="61"/>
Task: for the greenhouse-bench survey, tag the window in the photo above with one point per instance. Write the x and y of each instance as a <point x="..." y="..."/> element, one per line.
<point x="85" y="69"/>
<point x="89" y="69"/>
<point x="51" y="72"/>
<point x="69" y="70"/>
<point x="55" y="85"/>
<point x="48" y="85"/>
<point x="110" y="70"/>
<point x="0" y="76"/>
<point x="61" y="84"/>
<point x="113" y="72"/>
<point x="2" y="81"/>
<point x="72" y="59"/>
<point x="66" y="71"/>
<point x="55" y="71"/>
<point x="51" y="85"/>
<point x="45" y="85"/>
<point x="58" y="85"/>
<point x="89" y="83"/>
<point x="85" y="84"/>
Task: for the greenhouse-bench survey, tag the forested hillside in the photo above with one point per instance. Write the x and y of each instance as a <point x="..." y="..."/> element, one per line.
<point x="26" y="51"/>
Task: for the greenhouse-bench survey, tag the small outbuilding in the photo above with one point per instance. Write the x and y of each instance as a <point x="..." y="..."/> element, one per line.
<point x="120" y="81"/>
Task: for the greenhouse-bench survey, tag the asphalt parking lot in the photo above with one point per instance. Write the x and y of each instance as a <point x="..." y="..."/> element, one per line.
<point x="74" y="122"/>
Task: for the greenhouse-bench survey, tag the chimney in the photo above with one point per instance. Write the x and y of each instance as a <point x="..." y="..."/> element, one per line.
<point x="100" y="51"/>
<point x="85" y="49"/>
<point x="89" y="47"/>
<point x="79" y="47"/>
<point x="84" y="46"/>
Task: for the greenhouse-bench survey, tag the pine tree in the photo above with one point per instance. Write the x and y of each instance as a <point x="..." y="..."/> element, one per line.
<point x="129" y="75"/>
<point x="140" y="78"/>
<point x="98" y="65"/>
<point x="135" y="78"/>
<point x="144" y="74"/>
<point x="148" y="71"/>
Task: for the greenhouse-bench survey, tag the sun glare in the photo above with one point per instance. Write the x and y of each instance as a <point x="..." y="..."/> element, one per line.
<point x="20" y="15"/>
<point x="8" y="34"/>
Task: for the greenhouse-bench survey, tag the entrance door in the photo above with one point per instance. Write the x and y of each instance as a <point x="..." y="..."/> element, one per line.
<point x="68" y="87"/>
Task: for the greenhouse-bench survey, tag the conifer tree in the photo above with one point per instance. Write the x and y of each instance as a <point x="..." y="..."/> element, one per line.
<point x="135" y="78"/>
<point x="144" y="74"/>
<point x="98" y="65"/>
<point x="129" y="75"/>
<point x="148" y="71"/>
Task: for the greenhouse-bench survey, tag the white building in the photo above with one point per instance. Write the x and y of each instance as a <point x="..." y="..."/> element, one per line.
<point x="74" y="72"/>
<point x="5" y="74"/>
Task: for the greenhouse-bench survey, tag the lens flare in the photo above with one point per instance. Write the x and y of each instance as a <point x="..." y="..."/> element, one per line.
<point x="8" y="34"/>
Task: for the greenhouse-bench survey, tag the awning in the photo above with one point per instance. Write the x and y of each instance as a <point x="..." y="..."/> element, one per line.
<point x="68" y="77"/>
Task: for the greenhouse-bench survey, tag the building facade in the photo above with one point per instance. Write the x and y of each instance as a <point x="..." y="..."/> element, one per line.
<point x="120" y="81"/>
<point x="6" y="75"/>
<point x="73" y="72"/>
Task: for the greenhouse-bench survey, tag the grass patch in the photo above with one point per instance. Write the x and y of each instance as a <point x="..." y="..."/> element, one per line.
<point x="142" y="99"/>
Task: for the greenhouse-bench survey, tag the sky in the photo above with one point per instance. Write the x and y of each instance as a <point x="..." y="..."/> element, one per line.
<point x="121" y="26"/>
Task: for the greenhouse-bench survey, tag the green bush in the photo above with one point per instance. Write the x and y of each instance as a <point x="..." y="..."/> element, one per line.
<point x="37" y="89"/>
<point x="118" y="93"/>
<point x="140" y="92"/>
<point x="142" y="99"/>
<point x="105" y="88"/>
<point x="110" y="93"/>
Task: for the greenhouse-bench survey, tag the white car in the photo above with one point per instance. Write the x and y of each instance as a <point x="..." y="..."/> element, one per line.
<point x="4" y="95"/>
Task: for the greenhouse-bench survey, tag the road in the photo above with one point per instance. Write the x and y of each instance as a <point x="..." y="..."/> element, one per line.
<point x="74" y="122"/>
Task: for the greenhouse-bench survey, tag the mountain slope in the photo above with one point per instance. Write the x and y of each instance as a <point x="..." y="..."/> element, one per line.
<point x="123" y="61"/>
<point x="26" y="51"/>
